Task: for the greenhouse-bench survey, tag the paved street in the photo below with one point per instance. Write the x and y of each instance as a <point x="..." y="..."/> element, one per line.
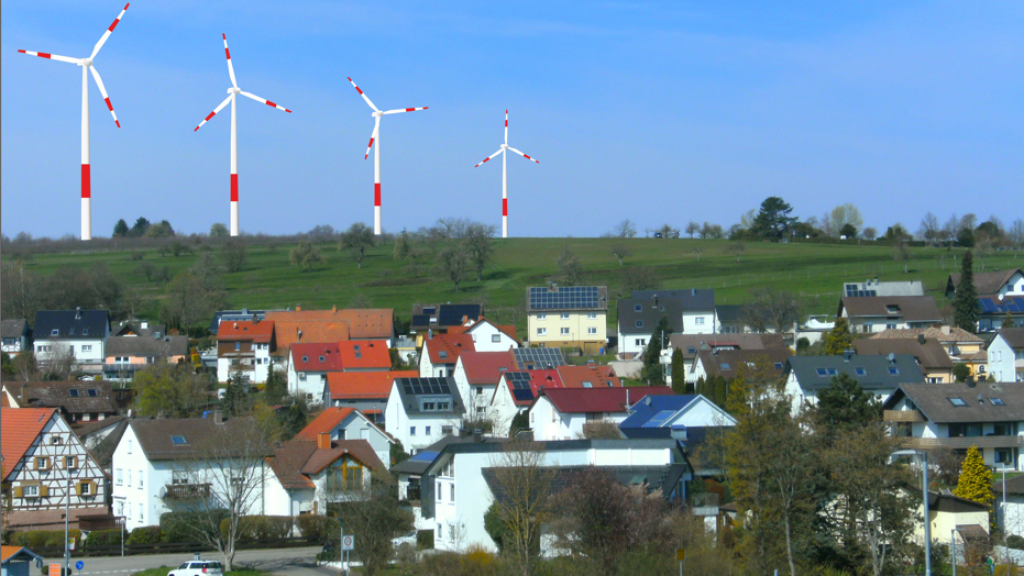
<point x="287" y="562"/>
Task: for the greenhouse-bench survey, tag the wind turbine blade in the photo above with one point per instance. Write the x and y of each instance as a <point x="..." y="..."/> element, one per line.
<point x="399" y="111"/>
<point x="214" y="113"/>
<point x="489" y="157"/>
<point x="267" y="102"/>
<point x="51" y="56"/>
<point x="506" y="126"/>
<point x="373" y="136"/>
<point x="103" y="92"/>
<point x="231" y="69"/>
<point x="523" y="155"/>
<point x="365" y="97"/>
<point x="103" y="39"/>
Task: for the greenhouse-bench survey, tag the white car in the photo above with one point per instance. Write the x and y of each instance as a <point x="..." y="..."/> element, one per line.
<point x="409" y="538"/>
<point x="198" y="568"/>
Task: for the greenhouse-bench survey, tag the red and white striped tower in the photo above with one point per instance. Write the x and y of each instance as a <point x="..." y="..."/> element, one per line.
<point x="504" y="176"/>
<point x="375" y="136"/>
<point x="233" y="92"/>
<point x="87" y="68"/>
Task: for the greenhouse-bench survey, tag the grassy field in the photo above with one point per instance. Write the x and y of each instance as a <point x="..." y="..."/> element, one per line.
<point x="814" y="272"/>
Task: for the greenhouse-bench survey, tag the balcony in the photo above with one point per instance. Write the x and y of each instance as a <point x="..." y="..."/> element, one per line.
<point x="902" y="416"/>
<point x="186" y="491"/>
<point x="704" y="504"/>
<point x="963" y="442"/>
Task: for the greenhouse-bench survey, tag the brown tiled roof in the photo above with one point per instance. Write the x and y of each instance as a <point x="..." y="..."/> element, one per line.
<point x="1013" y="336"/>
<point x="360" y="323"/>
<point x="742" y="341"/>
<point x="726" y="363"/>
<point x="287" y="463"/>
<point x="58" y="395"/>
<point x="233" y="435"/>
<point x="985" y="283"/>
<point x="930" y="355"/>
<point x="933" y="400"/>
<point x="955" y="334"/>
<point x="12" y="328"/>
<point x="87" y="428"/>
<point x="24" y="520"/>
<point x="910" y="308"/>
<point x="287" y="332"/>
<point x="146" y="346"/>
<point x="360" y="450"/>
<point x="353" y="385"/>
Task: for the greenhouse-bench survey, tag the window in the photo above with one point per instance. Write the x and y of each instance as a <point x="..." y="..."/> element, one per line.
<point x="440" y="533"/>
<point x="591" y="315"/>
<point x="42" y="463"/>
<point x="592" y="330"/>
<point x="73" y="393"/>
<point x="479" y="390"/>
<point x="85" y="489"/>
<point x="55" y="332"/>
<point x="894" y="370"/>
<point x="778" y="366"/>
<point x="957" y="402"/>
<point x="238" y="346"/>
<point x="564" y="331"/>
<point x="129" y="445"/>
<point x="638" y="308"/>
<point x="92" y="392"/>
<point x="997" y="402"/>
<point x="447" y="430"/>
<point x="86" y="347"/>
<point x="426" y="430"/>
<point x="542" y="331"/>
<point x="443" y="354"/>
<point x="179" y="477"/>
<point x="440" y="495"/>
<point x="861" y="371"/>
<point x="640" y="342"/>
<point x="141" y="509"/>
<point x="55" y="440"/>
<point x="85" y="331"/>
<point x="30" y="491"/>
<point x="140" y="479"/>
<point x="452" y="492"/>
<point x="70" y="462"/>
<point x="699" y="320"/>
<point x="412" y="430"/>
<point x="302" y="376"/>
<point x="119" y="477"/>
<point x="639" y="323"/>
<point x="305" y="358"/>
<point x="725" y="366"/>
<point x="890" y="326"/>
<point x="822" y="372"/>
<point x="495" y="338"/>
<point x="564" y="315"/>
<point x="542" y="316"/>
<point x="178" y="440"/>
<point x="588" y="384"/>
<point x="322" y="358"/>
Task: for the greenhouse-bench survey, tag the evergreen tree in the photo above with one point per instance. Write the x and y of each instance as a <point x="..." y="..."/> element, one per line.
<point x="961" y="372"/>
<point x="965" y="303"/>
<point x="678" y="372"/>
<point x="975" y="481"/>
<point x="840" y="339"/>
<point x="276" y="388"/>
<point x="651" y="373"/>
<point x="773" y="221"/>
<point x="139" y="228"/>
<point x="845" y="404"/>
<point x="121" y="228"/>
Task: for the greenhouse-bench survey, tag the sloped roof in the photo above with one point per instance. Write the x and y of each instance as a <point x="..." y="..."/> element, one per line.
<point x="650" y="313"/>
<point x="910" y="308"/>
<point x="445" y="348"/>
<point x="727" y="363"/>
<point x="364" y="354"/>
<point x="664" y="477"/>
<point x="17" y="553"/>
<point x="246" y="330"/>
<point x="287" y="463"/>
<point x="360" y="450"/>
<point x="1013" y="336"/>
<point x="72" y="324"/>
<point x="579" y="376"/>
<point x="690" y="344"/>
<point x="21" y="428"/>
<point x="345" y="385"/>
<point x="306" y="357"/>
<point x="933" y="400"/>
<point x="507" y="329"/>
<point x="409" y="389"/>
<point x="644" y="410"/>
<point x="287" y="332"/>
<point x="12" y="329"/>
<point x="165" y="346"/>
<point x="876" y="374"/>
<point x="84" y="429"/>
<point x="486" y="367"/>
<point x="690" y="298"/>
<point x="931" y="354"/>
<point x="324" y="422"/>
<point x="135" y="327"/>
<point x="582" y="400"/>
<point x="359" y="323"/>
<point x="230" y="436"/>
<point x="985" y="283"/>
<point x="955" y="334"/>
<point x="536" y="380"/>
<point x="73" y="397"/>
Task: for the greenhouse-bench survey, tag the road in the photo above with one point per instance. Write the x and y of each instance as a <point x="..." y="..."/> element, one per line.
<point x="286" y="562"/>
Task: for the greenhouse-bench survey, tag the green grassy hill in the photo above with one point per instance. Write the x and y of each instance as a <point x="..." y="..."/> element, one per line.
<point x="814" y="272"/>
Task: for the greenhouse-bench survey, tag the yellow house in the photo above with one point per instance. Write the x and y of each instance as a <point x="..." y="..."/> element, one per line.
<point x="568" y="317"/>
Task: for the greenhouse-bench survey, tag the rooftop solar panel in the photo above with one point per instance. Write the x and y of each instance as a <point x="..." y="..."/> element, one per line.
<point x="538" y="358"/>
<point x="659" y="419"/>
<point x="522" y="395"/>
<point x="567" y="297"/>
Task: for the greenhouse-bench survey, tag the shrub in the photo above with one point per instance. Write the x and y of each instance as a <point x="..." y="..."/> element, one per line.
<point x="146" y="535"/>
<point x="315" y="528"/>
<point x="1015" y="541"/>
<point x="103" y="538"/>
<point x="425" y="539"/>
<point x="180" y="526"/>
<point x="259" y="527"/>
<point x="44" y="538"/>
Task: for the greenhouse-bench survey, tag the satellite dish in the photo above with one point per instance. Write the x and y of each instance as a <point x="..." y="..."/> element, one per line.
<point x="892" y="357"/>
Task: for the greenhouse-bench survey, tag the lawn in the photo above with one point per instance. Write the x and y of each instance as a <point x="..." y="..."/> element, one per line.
<point x="814" y="272"/>
<point x="163" y="570"/>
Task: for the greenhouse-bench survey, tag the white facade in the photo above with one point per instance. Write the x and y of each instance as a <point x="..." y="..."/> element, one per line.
<point x="798" y="395"/>
<point x="1004" y="363"/>
<point x="87" y="351"/>
<point x="430" y="370"/>
<point x="257" y="371"/>
<point x="476" y="396"/>
<point x="358" y="427"/>
<point x="548" y="423"/>
<point x="699" y="321"/>
<point x="488" y="338"/>
<point x="283" y="501"/>
<point x="420" y="429"/>
<point x="502" y="409"/>
<point x="306" y="384"/>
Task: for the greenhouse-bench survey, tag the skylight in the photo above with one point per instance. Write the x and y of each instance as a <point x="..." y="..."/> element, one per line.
<point x="93" y="393"/>
<point x="322" y="358"/>
<point x="997" y="402"/>
<point x="822" y="372"/>
<point x="442" y="354"/>
<point x="588" y="385"/>
<point x="73" y="393"/>
<point x="778" y="365"/>
<point x="178" y="440"/>
<point x="726" y="366"/>
<point x="894" y="370"/>
<point x="638" y="307"/>
<point x="957" y="402"/>
<point x="305" y="358"/>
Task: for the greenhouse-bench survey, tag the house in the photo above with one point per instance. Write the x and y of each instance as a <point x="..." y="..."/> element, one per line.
<point x="930" y="355"/>
<point x="949" y="513"/>
<point x="422" y="410"/>
<point x="235" y="316"/>
<point x="996" y="309"/>
<point x="1006" y="355"/>
<point x="656" y="416"/>
<point x="466" y="477"/>
<point x="1011" y="506"/>
<point x="488" y="336"/>
<point x="562" y="413"/>
<point x="870" y="288"/>
<point x="14" y="336"/>
<point x="309" y="363"/>
<point x="728" y="363"/>
<point x="477" y="375"/>
<point x="568" y="317"/>
<point x="731" y="319"/>
<point x="439" y="318"/>
<point x="687" y="311"/>
<point x="348" y="424"/>
<point x="81" y="333"/>
<point x="332" y="325"/>
<point x="957" y="416"/>
<point x="78" y="400"/>
<point x="961" y="346"/>
<point x="690" y="344"/>
<point x="868" y="314"/>
<point x="168" y="464"/>
<point x="1009" y="282"/>
<point x="244" y="348"/>
<point x="365" y="391"/>
<point x="516" y="392"/>
<point x="133" y="348"/>
<point x="101" y="437"/>
<point x="880" y="375"/>
<point x="441" y="352"/>
<point x="305" y="475"/>
<point x="16" y="561"/>
<point x="46" y="469"/>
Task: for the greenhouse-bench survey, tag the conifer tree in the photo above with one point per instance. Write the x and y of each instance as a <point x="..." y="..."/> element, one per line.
<point x="839" y="339"/>
<point x="965" y="303"/>
<point x="651" y="373"/>
<point x="975" y="481"/>
<point x="678" y="372"/>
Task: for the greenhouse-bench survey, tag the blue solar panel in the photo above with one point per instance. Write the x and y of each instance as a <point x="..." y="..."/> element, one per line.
<point x="522" y="395"/>
<point x="659" y="419"/>
<point x="538" y="358"/>
<point x="424" y="456"/>
<point x="564" y="298"/>
<point x="519" y="380"/>
<point x="1009" y="304"/>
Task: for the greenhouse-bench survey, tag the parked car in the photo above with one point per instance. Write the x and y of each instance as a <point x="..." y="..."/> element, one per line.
<point x="198" y="568"/>
<point x="409" y="538"/>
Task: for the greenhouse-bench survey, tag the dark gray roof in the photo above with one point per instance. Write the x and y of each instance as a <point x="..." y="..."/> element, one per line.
<point x="729" y="312"/>
<point x="135" y="326"/>
<point x="910" y="308"/>
<point x="931" y="354"/>
<point x="73" y="397"/>
<point x="104" y="451"/>
<point x="411" y="389"/>
<point x="933" y="400"/>
<point x="816" y="372"/>
<point x="643" y="321"/>
<point x="690" y="344"/>
<point x="985" y="283"/>
<point x="203" y="436"/>
<point x="567" y="298"/>
<point x="418" y="464"/>
<point x="665" y="478"/>
<point x="72" y="324"/>
<point x="1013" y="336"/>
<point x="691" y="299"/>
<point x="726" y="363"/>
<point x="13" y="328"/>
<point x="147" y="346"/>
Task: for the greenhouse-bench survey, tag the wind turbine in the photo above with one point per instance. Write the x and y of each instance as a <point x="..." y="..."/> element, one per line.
<point x="504" y="176"/>
<point x="376" y="153"/>
<point x="232" y="92"/>
<point x="86" y="64"/>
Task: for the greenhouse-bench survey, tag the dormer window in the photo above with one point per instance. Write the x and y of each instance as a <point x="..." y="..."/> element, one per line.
<point x="639" y="323"/>
<point x="893" y="370"/>
<point x="305" y="358"/>
<point x="892" y="308"/>
<point x="55" y="332"/>
<point x="73" y="393"/>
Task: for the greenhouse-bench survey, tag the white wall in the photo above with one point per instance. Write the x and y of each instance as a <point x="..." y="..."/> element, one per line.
<point x="1001" y="360"/>
<point x="400" y="424"/>
<point x="487" y="338"/>
<point x="699" y="322"/>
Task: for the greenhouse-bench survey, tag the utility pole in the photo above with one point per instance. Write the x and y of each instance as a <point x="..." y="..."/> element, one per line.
<point x="952" y="540"/>
<point x="67" y="506"/>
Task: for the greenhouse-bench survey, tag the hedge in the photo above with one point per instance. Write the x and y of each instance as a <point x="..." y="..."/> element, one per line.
<point x="104" y="538"/>
<point x="316" y="528"/>
<point x="181" y="526"/>
<point x="146" y="535"/>
<point x="44" y="538"/>
<point x="259" y="527"/>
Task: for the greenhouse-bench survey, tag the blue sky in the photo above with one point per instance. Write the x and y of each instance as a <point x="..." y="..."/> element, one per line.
<point x="659" y="112"/>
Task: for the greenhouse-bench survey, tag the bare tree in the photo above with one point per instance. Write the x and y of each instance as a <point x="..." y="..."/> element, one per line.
<point x="747" y="219"/>
<point x="234" y="254"/>
<point x="692" y="228"/>
<point x="570" y="269"/>
<point x="61" y="362"/>
<point x="600" y="430"/>
<point x="697" y="252"/>
<point x="452" y="263"/>
<point x="170" y="391"/>
<point x="625" y="229"/>
<point x="738" y="248"/>
<point x="305" y="254"/>
<point x="356" y="240"/>
<point x="930" y="230"/>
<point x="193" y="295"/>
<point x="479" y="243"/>
<point x="869" y="233"/>
<point x="374" y="514"/>
<point x="621" y="251"/>
<point x="523" y="486"/>
<point x="845" y="214"/>
<point x="901" y="252"/>
<point x="639" y="278"/>
<point x="771" y="309"/>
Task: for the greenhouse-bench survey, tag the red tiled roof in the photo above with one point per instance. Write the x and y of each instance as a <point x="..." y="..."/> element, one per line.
<point x="306" y="357"/>
<point x="286" y="332"/>
<point x="452" y="344"/>
<point x="509" y="329"/>
<point x="246" y="330"/>
<point x="324" y="422"/>
<point x="539" y="379"/>
<point x="365" y="384"/>
<point x="579" y="400"/>
<point x="5" y="402"/>
<point x="486" y="367"/>
<point x="575" y="376"/>
<point x="375" y="323"/>
<point x="364" y="354"/>
<point x="21" y="428"/>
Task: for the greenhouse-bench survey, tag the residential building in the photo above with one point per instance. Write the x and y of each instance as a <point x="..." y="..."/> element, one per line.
<point x="77" y="400"/>
<point x="47" y="469"/>
<point x="690" y="344"/>
<point x="167" y="464"/>
<point x="488" y="336"/>
<point x="731" y="319"/>
<point x="1011" y="506"/>
<point x="931" y="355"/>
<point x="949" y="514"/>
<point x="477" y="375"/>
<point x="244" y="348"/>
<point x="308" y="367"/>
<point x="657" y="416"/>
<point x="349" y="424"/>
<point x="962" y="346"/>
<point x="422" y="410"/>
<point x="130" y="350"/>
<point x="568" y="317"/>
<point x="515" y="393"/>
<point x="562" y="413"/>
<point x="18" y="561"/>
<point x="868" y="314"/>
<point x="441" y="352"/>
<point x="1006" y="355"/>
<point x="235" y="316"/>
<point x="538" y="358"/>
<point x="439" y="318"/>
<point x="996" y="309"/>
<point x="687" y="312"/>
<point x="1000" y="294"/>
<point x="81" y="333"/>
<point x="589" y="376"/>
<point x="365" y="391"/>
<point x="728" y="363"/>
<point x="956" y="416"/>
<point x="872" y="288"/>
<point x="806" y="376"/>
<point x="14" y="336"/>
<point x="332" y="325"/>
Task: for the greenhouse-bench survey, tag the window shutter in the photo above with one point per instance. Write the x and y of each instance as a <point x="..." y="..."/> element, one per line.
<point x="76" y="462"/>
<point x="44" y="491"/>
<point x="78" y="488"/>
<point x="18" y="492"/>
<point x="92" y="488"/>
<point x="35" y="464"/>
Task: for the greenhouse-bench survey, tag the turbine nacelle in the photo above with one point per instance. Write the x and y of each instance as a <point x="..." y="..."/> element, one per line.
<point x="85" y="62"/>
<point x="376" y="114"/>
<point x="234" y="90"/>
<point x="503" y="146"/>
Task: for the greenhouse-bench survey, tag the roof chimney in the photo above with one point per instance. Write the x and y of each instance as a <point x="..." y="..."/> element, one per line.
<point x="334" y="309"/>
<point x="693" y="291"/>
<point x="78" y="312"/>
<point x="627" y="398"/>
<point x="945" y="330"/>
<point x="921" y="339"/>
<point x="218" y="416"/>
<point x="298" y="334"/>
<point x="430" y="333"/>
<point x="298" y="308"/>
<point x="323" y="441"/>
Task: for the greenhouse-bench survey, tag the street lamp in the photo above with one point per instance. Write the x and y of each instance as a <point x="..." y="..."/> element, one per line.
<point x="927" y="519"/>
<point x="1002" y="513"/>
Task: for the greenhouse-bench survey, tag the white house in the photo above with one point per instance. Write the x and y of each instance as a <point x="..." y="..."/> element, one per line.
<point x="687" y="312"/>
<point x="245" y="347"/>
<point x="562" y="413"/>
<point x="348" y="424"/>
<point x="868" y="314"/>
<point x="515" y="392"/>
<point x="83" y="333"/>
<point x="308" y="367"/>
<point x="422" y="410"/>
<point x="13" y="336"/>
<point x="1010" y="514"/>
<point x="488" y="336"/>
<point x="1006" y="355"/>
<point x="440" y="353"/>
<point x="477" y="375"/>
